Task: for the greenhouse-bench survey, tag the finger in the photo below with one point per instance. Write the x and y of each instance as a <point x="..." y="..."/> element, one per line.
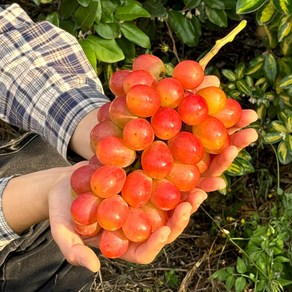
<point x="212" y="184"/>
<point x="196" y="197"/>
<point x="72" y="246"/>
<point x="209" y="80"/>
<point x="248" y="116"/>
<point x="146" y="252"/>
<point x="179" y="220"/>
<point x="244" y="138"/>
<point x="63" y="232"/>
<point x="221" y="161"/>
<point x="79" y="164"/>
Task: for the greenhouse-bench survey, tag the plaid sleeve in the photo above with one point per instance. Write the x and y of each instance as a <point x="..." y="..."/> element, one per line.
<point x="47" y="84"/>
<point x="6" y="233"/>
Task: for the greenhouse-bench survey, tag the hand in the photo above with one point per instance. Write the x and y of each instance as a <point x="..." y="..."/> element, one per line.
<point x="76" y="250"/>
<point x="70" y="243"/>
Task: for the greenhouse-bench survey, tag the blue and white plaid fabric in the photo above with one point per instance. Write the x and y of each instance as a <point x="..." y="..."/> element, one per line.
<point x="6" y="233"/>
<point x="46" y="82"/>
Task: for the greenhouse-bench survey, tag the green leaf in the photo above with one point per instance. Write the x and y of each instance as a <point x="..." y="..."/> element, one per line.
<point x="283" y="6"/>
<point x="272" y="137"/>
<point x="285" y="28"/>
<point x="278" y="126"/>
<point x="282" y="117"/>
<point x="89" y="51"/>
<point x="239" y="166"/>
<point x="84" y="3"/>
<point x="36" y="2"/>
<point x="241" y="266"/>
<point x="110" y="5"/>
<point x="244" y="154"/>
<point x="99" y="13"/>
<point x="249" y="81"/>
<point x="215" y="4"/>
<point x="69" y="25"/>
<point x="107" y="30"/>
<point x="191" y="4"/>
<point x="216" y="16"/>
<point x="270" y="67"/>
<point x="240" y="284"/>
<point x="105" y="50"/>
<point x="266" y="13"/>
<point x="286" y="47"/>
<point x="131" y="11"/>
<point x="68" y="7"/>
<point x="284" y="151"/>
<point x="286" y="82"/>
<point x="234" y="170"/>
<point x="53" y="18"/>
<point x="288" y="141"/>
<point x="255" y="66"/>
<point x="135" y="35"/>
<point x="155" y="8"/>
<point x="247" y="6"/>
<point x="261" y="285"/>
<point x="221" y="275"/>
<point x="239" y="70"/>
<point x="127" y="47"/>
<point x="230" y="281"/>
<point x="171" y="278"/>
<point x="187" y="30"/>
<point x="243" y="87"/>
<point x="229" y="74"/>
<point x="286" y="100"/>
<point x="282" y="259"/>
<point x="85" y="16"/>
<point x="230" y="270"/>
<point x="288" y="124"/>
<point x="284" y="282"/>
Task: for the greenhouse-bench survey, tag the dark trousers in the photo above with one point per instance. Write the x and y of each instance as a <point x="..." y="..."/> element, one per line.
<point x="34" y="262"/>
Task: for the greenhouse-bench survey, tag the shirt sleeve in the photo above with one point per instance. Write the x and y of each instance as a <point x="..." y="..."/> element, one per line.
<point x="6" y="233"/>
<point x="47" y="84"/>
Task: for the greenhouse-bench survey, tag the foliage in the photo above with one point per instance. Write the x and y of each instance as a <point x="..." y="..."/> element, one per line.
<point x="113" y="32"/>
<point x="263" y="263"/>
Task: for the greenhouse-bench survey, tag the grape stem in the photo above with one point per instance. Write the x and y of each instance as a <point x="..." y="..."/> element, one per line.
<point x="222" y="42"/>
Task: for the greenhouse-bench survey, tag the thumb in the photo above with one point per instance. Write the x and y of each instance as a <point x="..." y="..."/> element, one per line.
<point x="82" y="255"/>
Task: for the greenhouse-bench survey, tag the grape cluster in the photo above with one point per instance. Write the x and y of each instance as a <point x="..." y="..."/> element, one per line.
<point x="152" y="143"/>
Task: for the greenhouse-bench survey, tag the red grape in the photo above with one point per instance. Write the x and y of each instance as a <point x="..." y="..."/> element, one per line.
<point x="107" y="181"/>
<point x="189" y="73"/>
<point x="166" y="123"/>
<point x="112" y="213"/>
<point x="156" y="160"/>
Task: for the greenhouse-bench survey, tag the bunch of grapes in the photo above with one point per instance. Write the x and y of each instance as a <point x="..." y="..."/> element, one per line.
<point x="152" y="143"/>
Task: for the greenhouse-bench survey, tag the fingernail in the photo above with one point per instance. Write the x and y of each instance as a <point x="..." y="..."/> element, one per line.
<point x="164" y="236"/>
<point x="205" y="196"/>
<point x="87" y="265"/>
<point x="187" y="213"/>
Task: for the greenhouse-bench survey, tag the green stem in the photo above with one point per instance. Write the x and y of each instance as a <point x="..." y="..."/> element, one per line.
<point x="222" y="42"/>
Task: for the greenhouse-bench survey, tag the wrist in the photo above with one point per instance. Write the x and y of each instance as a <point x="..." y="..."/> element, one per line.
<point x="25" y="198"/>
<point x="80" y="141"/>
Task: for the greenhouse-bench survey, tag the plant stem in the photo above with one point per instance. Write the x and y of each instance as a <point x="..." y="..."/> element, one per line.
<point x="222" y="42"/>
